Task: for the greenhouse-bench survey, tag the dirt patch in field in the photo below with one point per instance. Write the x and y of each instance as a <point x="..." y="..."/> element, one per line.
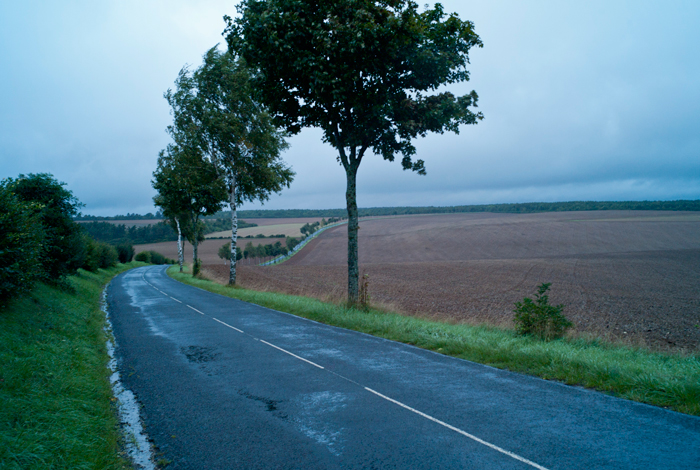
<point x="624" y="276"/>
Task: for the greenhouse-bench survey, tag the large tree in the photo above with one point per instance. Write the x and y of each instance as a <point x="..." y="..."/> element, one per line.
<point x="188" y="188"/>
<point x="366" y="72"/>
<point x="213" y="108"/>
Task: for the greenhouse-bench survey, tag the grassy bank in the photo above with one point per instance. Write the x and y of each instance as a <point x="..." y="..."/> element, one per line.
<point x="671" y="381"/>
<point x="56" y="398"/>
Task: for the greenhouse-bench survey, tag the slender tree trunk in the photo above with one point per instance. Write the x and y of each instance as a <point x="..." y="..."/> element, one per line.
<point x="195" y="244"/>
<point x="234" y="233"/>
<point x="353" y="227"/>
<point x="180" y="253"/>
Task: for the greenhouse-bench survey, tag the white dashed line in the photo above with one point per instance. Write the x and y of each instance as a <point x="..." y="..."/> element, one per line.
<point x="195" y="309"/>
<point x="175" y="300"/>
<point x="464" y="433"/>
<point x="226" y="324"/>
<point x="291" y="354"/>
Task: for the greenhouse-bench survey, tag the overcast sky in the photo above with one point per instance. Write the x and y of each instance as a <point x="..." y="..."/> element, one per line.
<point x="594" y="100"/>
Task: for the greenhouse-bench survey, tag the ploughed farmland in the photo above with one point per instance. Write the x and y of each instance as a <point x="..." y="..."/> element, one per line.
<point x="632" y="276"/>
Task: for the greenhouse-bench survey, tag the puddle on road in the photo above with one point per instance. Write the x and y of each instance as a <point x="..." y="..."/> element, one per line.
<point x="199" y="354"/>
<point x="137" y="445"/>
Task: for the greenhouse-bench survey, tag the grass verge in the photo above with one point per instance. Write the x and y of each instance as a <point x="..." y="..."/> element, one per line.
<point x="666" y="380"/>
<point x="56" y="397"/>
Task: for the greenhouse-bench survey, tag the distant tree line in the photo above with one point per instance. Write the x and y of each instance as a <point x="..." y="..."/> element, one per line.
<point x="128" y="216"/>
<point x="519" y="208"/>
<point x="154" y="233"/>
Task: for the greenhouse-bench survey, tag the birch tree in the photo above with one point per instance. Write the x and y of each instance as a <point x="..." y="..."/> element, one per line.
<point x="188" y="188"/>
<point x="366" y="72"/>
<point x="233" y="130"/>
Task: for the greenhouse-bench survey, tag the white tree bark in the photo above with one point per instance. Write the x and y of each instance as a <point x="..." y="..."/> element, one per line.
<point x="180" y="254"/>
<point x="234" y="232"/>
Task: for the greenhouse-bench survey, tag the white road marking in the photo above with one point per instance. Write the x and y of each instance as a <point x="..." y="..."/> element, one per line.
<point x="291" y="354"/>
<point x="195" y="309"/>
<point x="175" y="299"/>
<point x="464" y="433"/>
<point x="226" y="324"/>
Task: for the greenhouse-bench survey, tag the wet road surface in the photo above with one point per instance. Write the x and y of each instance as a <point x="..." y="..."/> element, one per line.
<point x="224" y="384"/>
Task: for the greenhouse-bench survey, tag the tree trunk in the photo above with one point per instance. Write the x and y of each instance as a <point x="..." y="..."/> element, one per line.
<point x="195" y="244"/>
<point x="234" y="233"/>
<point x="353" y="227"/>
<point x="180" y="253"/>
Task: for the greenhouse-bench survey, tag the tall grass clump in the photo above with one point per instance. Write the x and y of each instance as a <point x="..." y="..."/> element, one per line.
<point x="57" y="410"/>
<point x="668" y="380"/>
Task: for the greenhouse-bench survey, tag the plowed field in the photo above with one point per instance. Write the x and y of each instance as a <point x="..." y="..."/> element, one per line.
<point x="625" y="276"/>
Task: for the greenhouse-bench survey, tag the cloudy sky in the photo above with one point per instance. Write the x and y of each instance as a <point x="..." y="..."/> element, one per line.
<point x="595" y="100"/>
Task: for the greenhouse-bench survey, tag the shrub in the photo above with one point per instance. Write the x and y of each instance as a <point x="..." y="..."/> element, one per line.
<point x="91" y="260"/>
<point x="107" y="255"/>
<point x="197" y="267"/>
<point x="157" y="258"/>
<point x="64" y="248"/>
<point x="540" y="319"/>
<point x="21" y="244"/>
<point x="97" y="254"/>
<point x="125" y="252"/>
<point x="153" y="257"/>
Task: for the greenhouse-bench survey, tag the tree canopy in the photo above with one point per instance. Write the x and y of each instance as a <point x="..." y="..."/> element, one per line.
<point x="368" y="73"/>
<point x="188" y="188"/>
<point x="214" y="110"/>
<point x="64" y="250"/>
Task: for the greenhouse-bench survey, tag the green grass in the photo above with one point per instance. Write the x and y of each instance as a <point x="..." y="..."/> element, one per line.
<point x="56" y="402"/>
<point x="667" y="380"/>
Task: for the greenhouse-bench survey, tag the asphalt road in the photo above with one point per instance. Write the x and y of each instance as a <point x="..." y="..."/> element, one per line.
<point x="225" y="385"/>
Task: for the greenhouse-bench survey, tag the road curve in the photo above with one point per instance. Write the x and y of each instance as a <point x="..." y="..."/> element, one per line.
<point x="225" y="384"/>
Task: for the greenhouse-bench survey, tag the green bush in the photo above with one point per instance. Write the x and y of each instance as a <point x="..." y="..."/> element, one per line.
<point x="153" y="257"/>
<point x="98" y="255"/>
<point x="21" y="244"/>
<point x="91" y="261"/>
<point x="540" y="319"/>
<point x="125" y="252"/>
<point x="107" y="255"/>
<point x="64" y="249"/>
<point x="157" y="258"/>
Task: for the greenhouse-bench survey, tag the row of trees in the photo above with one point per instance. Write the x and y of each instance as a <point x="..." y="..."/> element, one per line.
<point x="39" y="241"/>
<point x="153" y="233"/>
<point x="366" y="72"/>
<point x="225" y="149"/>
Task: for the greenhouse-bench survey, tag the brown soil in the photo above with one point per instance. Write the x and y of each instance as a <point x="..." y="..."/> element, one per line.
<point x="624" y="276"/>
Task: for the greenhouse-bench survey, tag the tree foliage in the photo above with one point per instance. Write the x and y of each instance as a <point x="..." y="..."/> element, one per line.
<point x="365" y="72"/>
<point x="539" y="318"/>
<point x="214" y="110"/>
<point x="188" y="188"/>
<point x="64" y="251"/>
<point x="21" y="243"/>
